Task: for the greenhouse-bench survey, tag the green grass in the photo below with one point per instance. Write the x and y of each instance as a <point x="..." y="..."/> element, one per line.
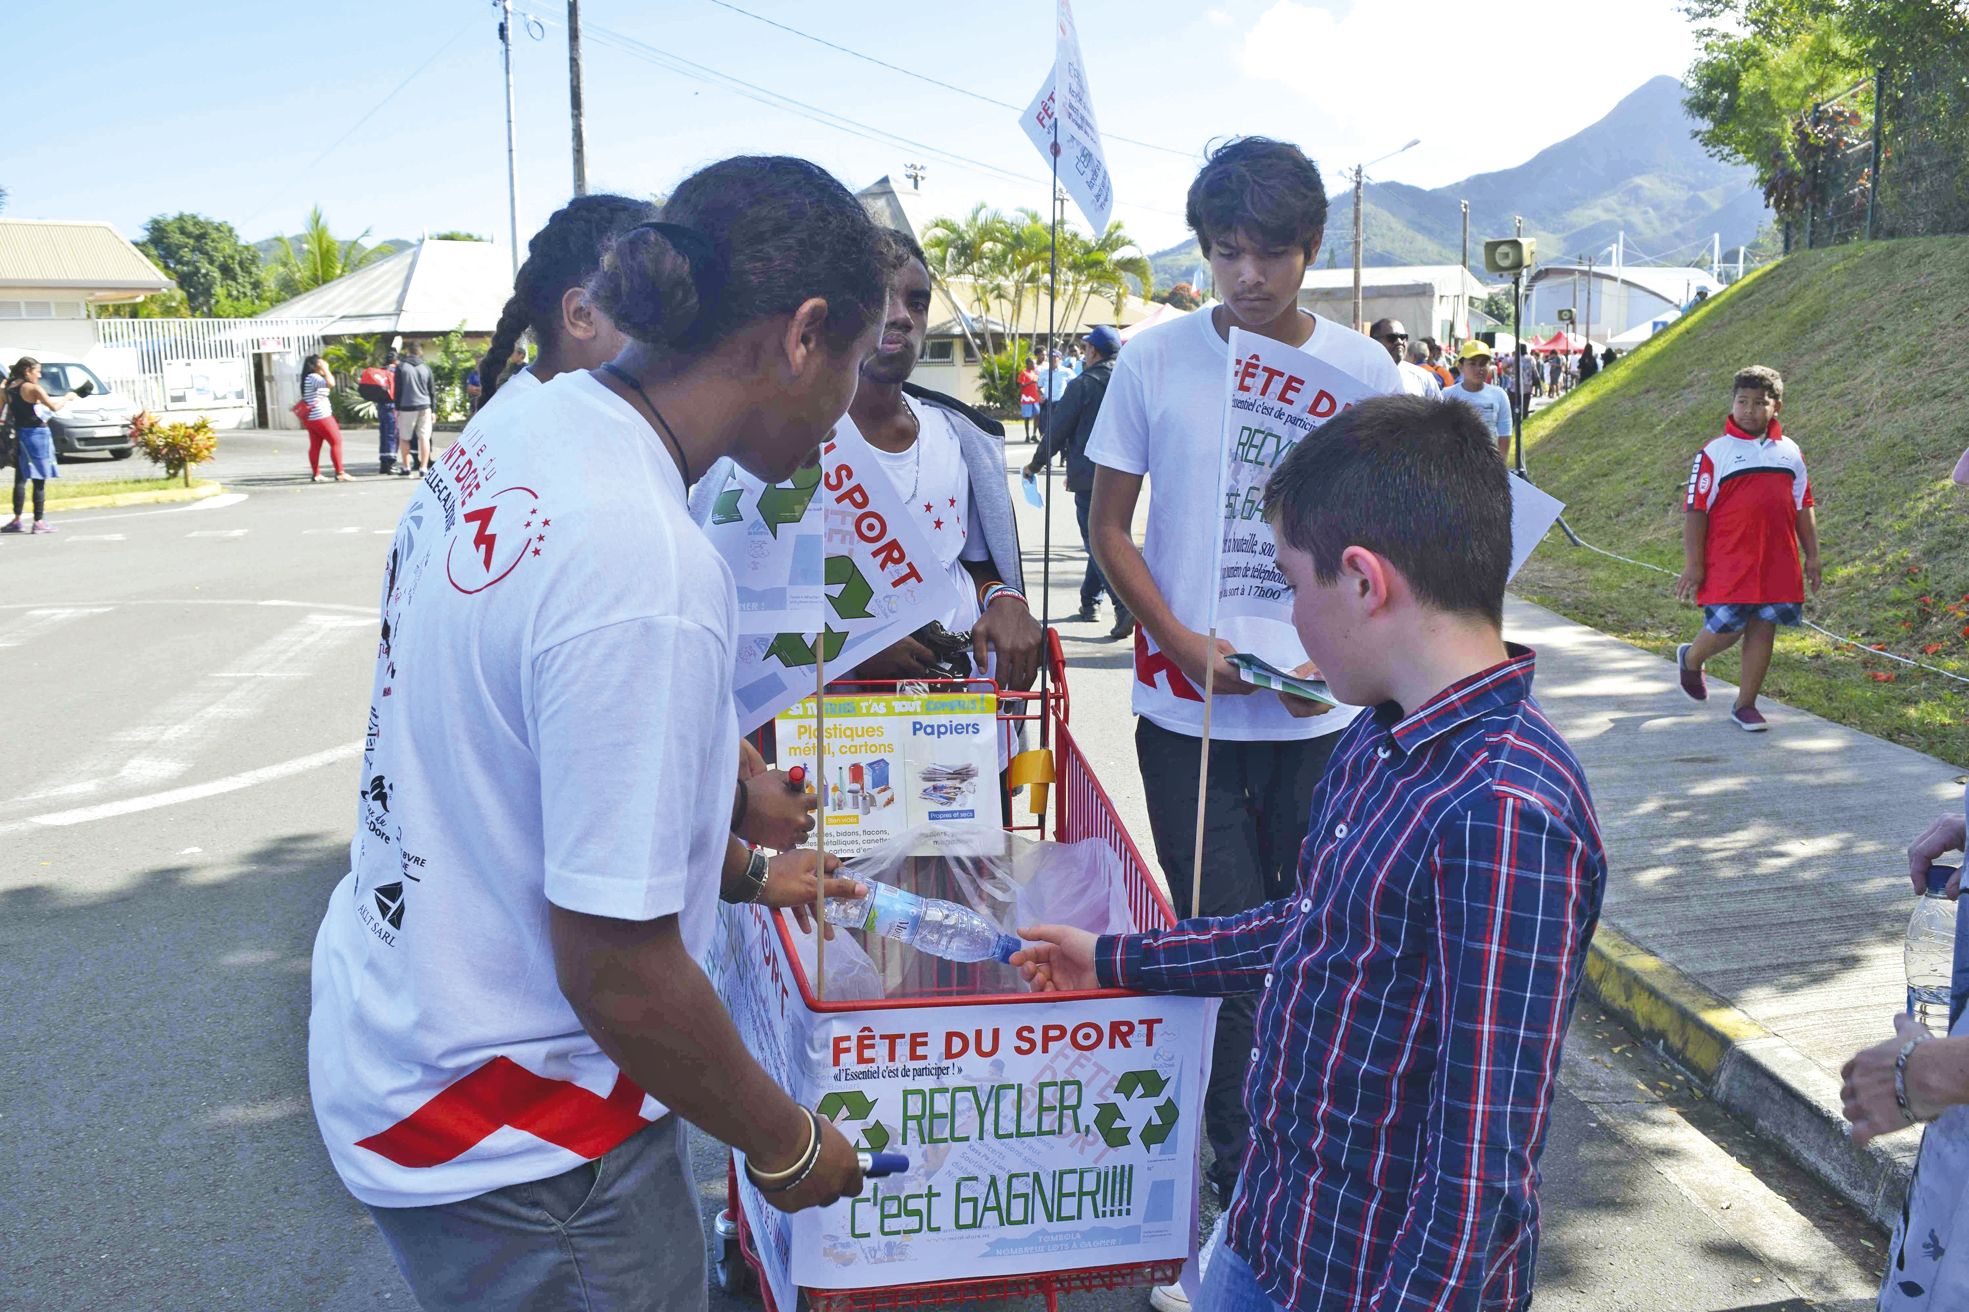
<point x="1868" y="340"/>
<point x="67" y="489"/>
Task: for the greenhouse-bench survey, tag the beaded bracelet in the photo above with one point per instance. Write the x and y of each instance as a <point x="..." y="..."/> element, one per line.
<point x="997" y="590"/>
<point x="1900" y="1076"/>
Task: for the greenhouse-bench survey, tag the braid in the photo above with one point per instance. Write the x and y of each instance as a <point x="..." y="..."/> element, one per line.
<point x="492" y="366"/>
<point x="563" y="254"/>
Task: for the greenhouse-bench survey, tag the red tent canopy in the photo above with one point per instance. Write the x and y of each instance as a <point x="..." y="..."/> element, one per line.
<point x="1559" y="343"/>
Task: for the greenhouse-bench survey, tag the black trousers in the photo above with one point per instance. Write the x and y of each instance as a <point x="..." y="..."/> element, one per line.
<point x="1093" y="583"/>
<point x="1257" y="812"/>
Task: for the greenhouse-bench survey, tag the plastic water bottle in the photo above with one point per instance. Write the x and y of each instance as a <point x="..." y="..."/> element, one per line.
<point x="1930" y="953"/>
<point x="929" y="924"/>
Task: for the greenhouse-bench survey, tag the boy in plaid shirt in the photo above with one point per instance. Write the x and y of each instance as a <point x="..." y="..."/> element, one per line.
<point x="1749" y="517"/>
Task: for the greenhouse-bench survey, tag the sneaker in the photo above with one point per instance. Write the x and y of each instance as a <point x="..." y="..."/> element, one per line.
<point x="344" y="478"/>
<point x="13" y="525"/>
<point x="1124" y="623"/>
<point x="315" y="478"/>
<point x="1085" y="614"/>
<point x="1749" y="719"/>
<point x="1169" y="1298"/>
<point x="42" y="526"/>
<point x="1693" y="683"/>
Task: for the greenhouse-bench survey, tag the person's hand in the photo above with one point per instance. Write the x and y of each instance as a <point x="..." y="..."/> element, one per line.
<point x="750" y="763"/>
<point x="906" y="658"/>
<point x="1057" y="959"/>
<point x="1304" y="708"/>
<point x="1945" y="835"/>
<point x="790" y="884"/>
<point x="1008" y="628"/>
<point x="778" y="812"/>
<point x="1688" y="583"/>
<point x="1812" y="572"/>
<point x="1033" y="468"/>
<point x="1867" y="1085"/>
<point x="1192" y="652"/>
<point x="836" y="1175"/>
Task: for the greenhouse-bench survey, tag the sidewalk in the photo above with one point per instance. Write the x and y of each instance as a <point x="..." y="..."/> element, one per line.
<point x="1757" y="894"/>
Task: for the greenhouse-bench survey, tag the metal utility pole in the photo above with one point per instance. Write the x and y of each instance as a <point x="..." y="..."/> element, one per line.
<point x="1360" y="172"/>
<point x="1589" y="300"/>
<point x="512" y="175"/>
<point x="574" y="97"/>
<point x="1462" y="326"/>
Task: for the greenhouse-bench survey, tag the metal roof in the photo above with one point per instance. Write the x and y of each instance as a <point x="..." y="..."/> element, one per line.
<point x="426" y="289"/>
<point x="1672" y="284"/>
<point x="1443" y="279"/>
<point x="87" y="255"/>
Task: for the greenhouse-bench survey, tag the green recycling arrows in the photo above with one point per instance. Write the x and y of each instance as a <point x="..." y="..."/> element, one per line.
<point x="1134" y="1086"/>
<point x="854" y="1105"/>
<point x="786" y="503"/>
<point x="851" y="602"/>
<point x="725" y="509"/>
<point x="793" y="650"/>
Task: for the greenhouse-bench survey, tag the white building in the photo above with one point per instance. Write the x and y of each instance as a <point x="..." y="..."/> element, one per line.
<point x="426" y="290"/>
<point x="1431" y="300"/>
<point x="55" y="274"/>
<point x="1609" y="300"/>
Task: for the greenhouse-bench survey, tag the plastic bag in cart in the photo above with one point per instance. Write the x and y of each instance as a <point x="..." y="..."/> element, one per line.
<point x="1078" y="884"/>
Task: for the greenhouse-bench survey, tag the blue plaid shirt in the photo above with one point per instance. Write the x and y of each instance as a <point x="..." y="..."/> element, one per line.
<point x="1414" y="991"/>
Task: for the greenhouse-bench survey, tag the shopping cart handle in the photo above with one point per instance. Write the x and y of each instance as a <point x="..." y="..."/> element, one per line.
<point x="878" y="1164"/>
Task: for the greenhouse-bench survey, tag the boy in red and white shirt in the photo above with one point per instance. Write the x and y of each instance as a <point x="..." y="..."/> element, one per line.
<point x="1749" y="516"/>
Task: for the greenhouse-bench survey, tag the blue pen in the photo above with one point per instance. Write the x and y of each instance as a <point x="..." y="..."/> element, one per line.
<point x="875" y="1165"/>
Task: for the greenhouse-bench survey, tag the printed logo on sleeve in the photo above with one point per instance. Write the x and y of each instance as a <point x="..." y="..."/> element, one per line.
<point x="495" y="537"/>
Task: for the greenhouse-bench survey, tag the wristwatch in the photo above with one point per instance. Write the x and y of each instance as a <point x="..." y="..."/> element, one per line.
<point x="755" y="875"/>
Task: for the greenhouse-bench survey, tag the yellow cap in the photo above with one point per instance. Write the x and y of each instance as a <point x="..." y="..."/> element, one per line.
<point x="1474" y="349"/>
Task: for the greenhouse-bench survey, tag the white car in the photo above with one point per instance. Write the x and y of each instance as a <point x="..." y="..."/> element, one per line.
<point x="98" y="423"/>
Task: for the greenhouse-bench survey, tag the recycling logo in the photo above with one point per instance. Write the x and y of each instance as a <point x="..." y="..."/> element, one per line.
<point x="1137" y="1087"/>
<point x="854" y="1105"/>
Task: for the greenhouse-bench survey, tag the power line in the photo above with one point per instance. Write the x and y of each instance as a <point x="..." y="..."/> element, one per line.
<point x="357" y="125"/>
<point x="703" y="73"/>
<point x="923" y="77"/>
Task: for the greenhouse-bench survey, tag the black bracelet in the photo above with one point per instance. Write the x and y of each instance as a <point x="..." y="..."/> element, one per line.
<point x="743" y="806"/>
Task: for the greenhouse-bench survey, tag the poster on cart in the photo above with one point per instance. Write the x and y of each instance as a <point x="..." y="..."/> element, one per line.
<point x="1041" y="1135"/>
<point x="897" y="762"/>
<point x="826" y="564"/>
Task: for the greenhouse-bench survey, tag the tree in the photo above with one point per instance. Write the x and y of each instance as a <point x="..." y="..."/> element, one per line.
<point x="1102" y="267"/>
<point x="216" y="272"/>
<point x="1181" y="297"/>
<point x="320" y="258"/>
<point x="457" y="235"/>
<point x="1764" y="64"/>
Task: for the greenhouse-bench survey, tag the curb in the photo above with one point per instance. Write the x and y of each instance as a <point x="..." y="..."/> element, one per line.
<point x="1750" y="1072"/>
<point x="196" y="492"/>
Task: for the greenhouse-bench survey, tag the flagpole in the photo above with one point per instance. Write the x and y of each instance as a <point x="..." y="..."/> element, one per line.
<point x="1052" y="375"/>
<point x="820" y="828"/>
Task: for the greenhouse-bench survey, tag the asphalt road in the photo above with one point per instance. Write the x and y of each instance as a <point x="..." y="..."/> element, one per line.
<point x="248" y="458"/>
<point x="190" y="686"/>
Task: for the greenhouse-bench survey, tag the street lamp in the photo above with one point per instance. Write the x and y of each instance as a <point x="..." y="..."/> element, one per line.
<point x="1360" y="179"/>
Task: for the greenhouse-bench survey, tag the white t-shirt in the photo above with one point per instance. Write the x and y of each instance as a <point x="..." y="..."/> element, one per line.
<point x="517" y="385"/>
<point x="551" y="720"/>
<point x="1163" y="416"/>
<point x="934" y="482"/>
<point x="1490" y="401"/>
<point x="1417" y="381"/>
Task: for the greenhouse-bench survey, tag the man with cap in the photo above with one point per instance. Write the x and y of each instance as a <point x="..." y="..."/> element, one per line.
<point x="1475" y="389"/>
<point x="1416" y="381"/>
<point x="1073" y="420"/>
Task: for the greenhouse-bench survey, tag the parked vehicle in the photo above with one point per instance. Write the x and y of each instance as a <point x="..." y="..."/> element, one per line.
<point x="99" y="423"/>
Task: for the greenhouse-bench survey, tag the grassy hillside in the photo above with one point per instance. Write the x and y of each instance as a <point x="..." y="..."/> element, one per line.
<point x="1868" y="338"/>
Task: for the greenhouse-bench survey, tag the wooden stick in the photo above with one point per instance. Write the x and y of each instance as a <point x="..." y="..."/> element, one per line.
<point x="1203" y="778"/>
<point x="820" y="826"/>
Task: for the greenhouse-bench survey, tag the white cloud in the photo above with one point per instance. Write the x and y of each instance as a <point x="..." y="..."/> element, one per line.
<point x="1219" y="17"/>
<point x="1381" y="73"/>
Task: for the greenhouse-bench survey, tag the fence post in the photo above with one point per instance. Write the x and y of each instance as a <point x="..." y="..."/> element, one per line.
<point x="1873" y="165"/>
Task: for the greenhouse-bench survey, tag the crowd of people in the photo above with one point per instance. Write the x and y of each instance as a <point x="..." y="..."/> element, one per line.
<point x="510" y="1022"/>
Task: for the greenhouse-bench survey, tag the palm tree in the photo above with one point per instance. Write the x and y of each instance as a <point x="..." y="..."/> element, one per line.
<point x="320" y="258"/>
<point x="972" y="249"/>
<point x="1103" y="268"/>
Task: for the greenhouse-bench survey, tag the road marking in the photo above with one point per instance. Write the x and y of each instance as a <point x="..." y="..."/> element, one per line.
<point x="97" y="537"/>
<point x="164" y="748"/>
<point x="191" y="793"/>
<point x="219" y="502"/>
<point x="41" y="620"/>
<point x="208" y="503"/>
<point x="218" y="533"/>
<point x="369" y="610"/>
<point x="331" y="532"/>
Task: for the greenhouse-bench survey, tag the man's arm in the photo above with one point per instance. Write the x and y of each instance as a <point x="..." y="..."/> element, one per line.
<point x="1066" y="414"/>
<point x="1213" y="957"/>
<point x="1006" y="627"/>
<point x="637" y="990"/>
<point x="1110" y="523"/>
<point x="1808" y="544"/>
<point x="1516" y="895"/>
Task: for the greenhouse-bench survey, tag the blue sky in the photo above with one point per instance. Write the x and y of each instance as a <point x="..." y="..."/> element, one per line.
<point x="123" y="110"/>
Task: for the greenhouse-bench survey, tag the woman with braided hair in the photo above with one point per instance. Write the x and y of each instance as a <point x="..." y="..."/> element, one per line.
<point x="549" y="297"/>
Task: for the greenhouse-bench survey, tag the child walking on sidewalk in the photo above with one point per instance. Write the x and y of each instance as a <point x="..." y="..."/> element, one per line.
<point x="1749" y="517"/>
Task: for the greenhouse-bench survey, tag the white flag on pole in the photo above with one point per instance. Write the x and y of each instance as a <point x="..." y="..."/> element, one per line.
<point x="1061" y="118"/>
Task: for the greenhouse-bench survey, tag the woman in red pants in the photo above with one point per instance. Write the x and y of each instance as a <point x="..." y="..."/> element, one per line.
<point x="317" y="385"/>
